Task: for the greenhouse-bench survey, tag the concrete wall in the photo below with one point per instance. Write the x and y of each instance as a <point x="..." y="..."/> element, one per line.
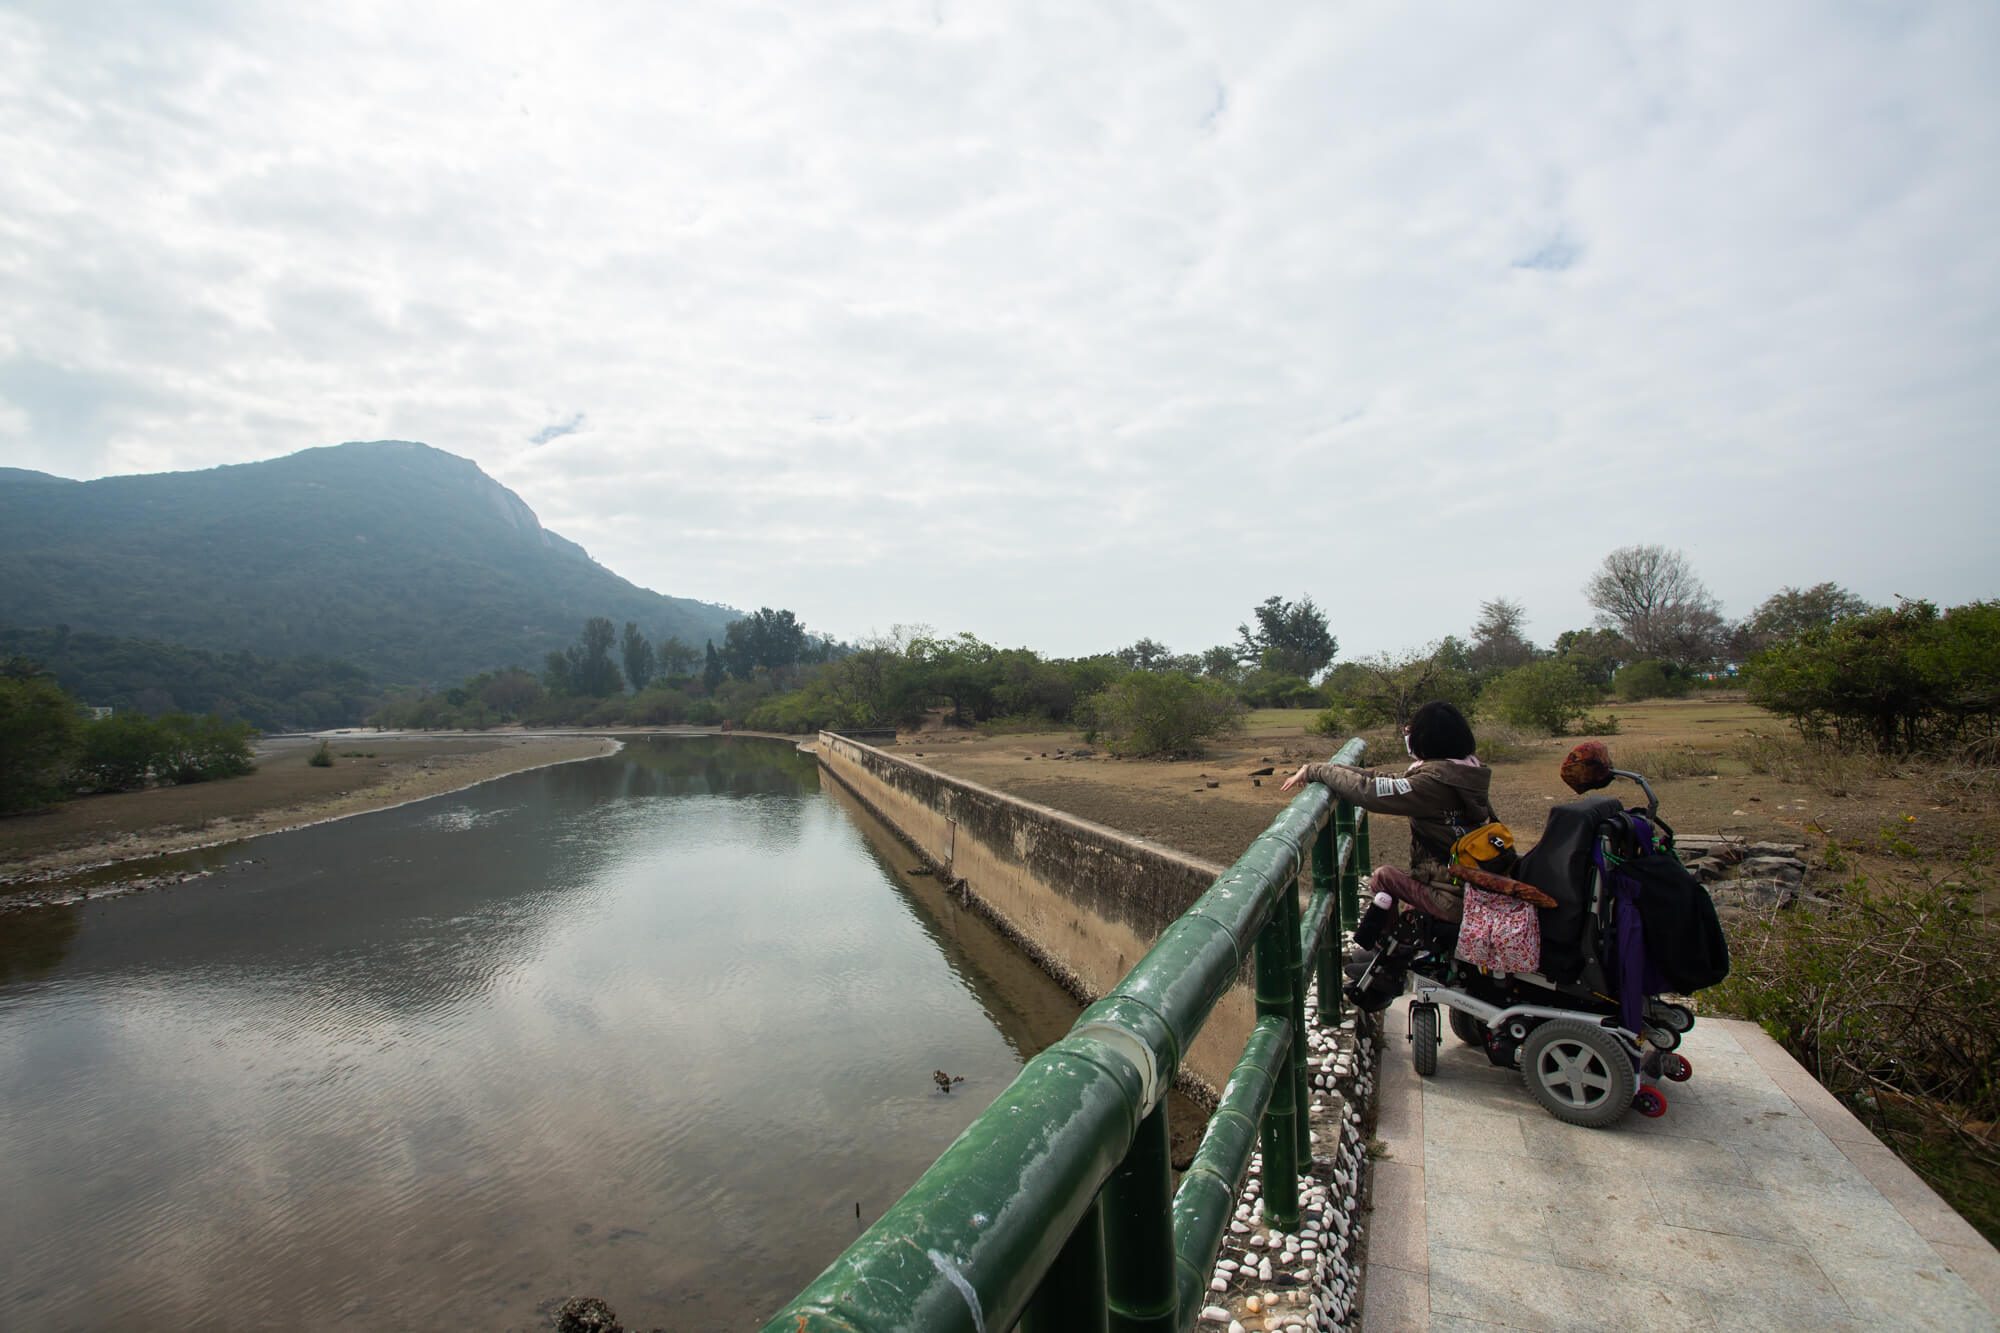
<point x="1085" y="901"/>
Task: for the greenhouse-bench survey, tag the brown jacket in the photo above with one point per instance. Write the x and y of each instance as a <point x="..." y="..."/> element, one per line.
<point x="1442" y="798"/>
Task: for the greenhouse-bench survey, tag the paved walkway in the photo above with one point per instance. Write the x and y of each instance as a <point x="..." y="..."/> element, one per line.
<point x="1756" y="1203"/>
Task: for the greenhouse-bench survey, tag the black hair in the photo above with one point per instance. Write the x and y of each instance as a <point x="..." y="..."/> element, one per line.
<point x="1439" y="731"/>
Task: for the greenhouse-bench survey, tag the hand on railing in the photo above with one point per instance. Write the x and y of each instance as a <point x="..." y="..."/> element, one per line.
<point x="1296" y="780"/>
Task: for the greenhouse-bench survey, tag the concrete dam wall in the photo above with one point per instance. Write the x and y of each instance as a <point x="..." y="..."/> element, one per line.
<point x="1085" y="901"/>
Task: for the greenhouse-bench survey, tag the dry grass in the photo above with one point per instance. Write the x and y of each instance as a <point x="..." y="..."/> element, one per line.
<point x="1667" y="763"/>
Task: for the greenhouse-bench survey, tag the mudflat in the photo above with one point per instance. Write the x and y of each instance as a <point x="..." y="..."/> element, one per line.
<point x="369" y="772"/>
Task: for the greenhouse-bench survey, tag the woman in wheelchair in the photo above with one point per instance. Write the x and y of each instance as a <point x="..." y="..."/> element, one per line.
<point x="1443" y="793"/>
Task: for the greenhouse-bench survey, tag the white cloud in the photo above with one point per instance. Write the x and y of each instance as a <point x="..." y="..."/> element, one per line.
<point x="1065" y="327"/>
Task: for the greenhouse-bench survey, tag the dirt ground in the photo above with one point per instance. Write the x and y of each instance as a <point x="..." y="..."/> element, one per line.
<point x="1701" y="755"/>
<point x="370" y="772"/>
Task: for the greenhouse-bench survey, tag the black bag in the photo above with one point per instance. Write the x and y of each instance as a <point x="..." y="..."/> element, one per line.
<point x="1683" y="936"/>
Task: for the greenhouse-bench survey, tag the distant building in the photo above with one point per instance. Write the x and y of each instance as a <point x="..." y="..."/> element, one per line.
<point x="99" y="714"/>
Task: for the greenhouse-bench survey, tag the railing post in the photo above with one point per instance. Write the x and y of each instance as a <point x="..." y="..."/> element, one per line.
<point x="1137" y="1203"/>
<point x="1072" y="1293"/>
<point x="1295" y="1060"/>
<point x="1280" y="1136"/>
<point x="1326" y="959"/>
<point x="1350" y="828"/>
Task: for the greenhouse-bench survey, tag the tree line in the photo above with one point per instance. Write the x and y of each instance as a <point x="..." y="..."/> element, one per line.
<point x="53" y="748"/>
<point x="1657" y="631"/>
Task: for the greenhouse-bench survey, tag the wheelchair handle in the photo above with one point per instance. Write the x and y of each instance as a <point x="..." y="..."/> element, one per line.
<point x="1652" y="801"/>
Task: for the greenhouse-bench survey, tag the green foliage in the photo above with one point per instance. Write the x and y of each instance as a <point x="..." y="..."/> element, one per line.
<point x="1549" y="695"/>
<point x="38" y="737"/>
<point x="676" y="658"/>
<point x="592" y="673"/>
<point x="1291" y="638"/>
<point x="128" y="751"/>
<point x="1790" y="612"/>
<point x="118" y="752"/>
<point x="637" y="651"/>
<point x="712" y="670"/>
<point x="1163" y="713"/>
<point x="1386" y="689"/>
<point x="322" y="756"/>
<point x="1596" y="654"/>
<point x="202" y="749"/>
<point x="1265" y="688"/>
<point x="1650" y="679"/>
<point x="147" y="676"/>
<point x="765" y="638"/>
<point x="1902" y="678"/>
<point x="1329" y="722"/>
<point x="404" y="560"/>
<point x="1892" y="1000"/>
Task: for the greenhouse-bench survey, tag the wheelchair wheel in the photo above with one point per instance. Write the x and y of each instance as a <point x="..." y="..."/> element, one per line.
<point x="1676" y="1067"/>
<point x="1649" y="1101"/>
<point x="1579" y="1072"/>
<point x="1467" y="1028"/>
<point x="1424" y="1038"/>
<point x="1676" y="1016"/>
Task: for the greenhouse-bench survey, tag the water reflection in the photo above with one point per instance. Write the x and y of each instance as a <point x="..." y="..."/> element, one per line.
<point x="34" y="941"/>
<point x="648" y="1027"/>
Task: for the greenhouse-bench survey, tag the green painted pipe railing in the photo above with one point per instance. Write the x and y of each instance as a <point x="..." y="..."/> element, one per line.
<point x="1052" y="1209"/>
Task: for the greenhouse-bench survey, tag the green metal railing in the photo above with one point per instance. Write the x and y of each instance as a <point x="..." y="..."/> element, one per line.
<point x="1053" y="1210"/>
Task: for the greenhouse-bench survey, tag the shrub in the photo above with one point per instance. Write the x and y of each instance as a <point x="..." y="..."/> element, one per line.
<point x="203" y="749"/>
<point x="321" y="757"/>
<point x="1274" y="689"/>
<point x="1902" y="679"/>
<point x="119" y="752"/>
<point x="1648" y="680"/>
<point x="1163" y="713"/>
<point x="659" y="706"/>
<point x="38" y="736"/>
<point x="1549" y="694"/>
<point x="1328" y="722"/>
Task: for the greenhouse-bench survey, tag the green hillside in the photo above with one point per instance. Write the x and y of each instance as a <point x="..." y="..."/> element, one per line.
<point x="402" y="559"/>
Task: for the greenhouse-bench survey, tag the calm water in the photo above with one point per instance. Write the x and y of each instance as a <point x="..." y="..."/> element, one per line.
<point x="646" y="1027"/>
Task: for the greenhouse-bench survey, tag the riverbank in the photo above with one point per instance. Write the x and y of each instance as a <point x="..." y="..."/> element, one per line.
<point x="371" y="771"/>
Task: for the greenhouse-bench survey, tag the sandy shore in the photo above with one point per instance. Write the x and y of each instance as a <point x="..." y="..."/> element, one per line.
<point x="371" y="771"/>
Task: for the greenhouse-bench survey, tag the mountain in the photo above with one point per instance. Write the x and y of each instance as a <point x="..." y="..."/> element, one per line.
<point x="402" y="559"/>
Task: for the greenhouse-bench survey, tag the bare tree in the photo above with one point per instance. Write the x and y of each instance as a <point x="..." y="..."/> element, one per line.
<point x="1651" y="596"/>
<point x="1497" y="640"/>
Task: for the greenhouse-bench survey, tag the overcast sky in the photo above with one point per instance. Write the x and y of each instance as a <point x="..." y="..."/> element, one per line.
<point x="1062" y="324"/>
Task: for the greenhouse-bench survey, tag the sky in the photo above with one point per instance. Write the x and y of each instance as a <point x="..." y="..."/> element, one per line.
<point x="1061" y="324"/>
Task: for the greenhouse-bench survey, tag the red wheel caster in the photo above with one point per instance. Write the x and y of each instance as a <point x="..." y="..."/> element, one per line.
<point x="1650" y="1102"/>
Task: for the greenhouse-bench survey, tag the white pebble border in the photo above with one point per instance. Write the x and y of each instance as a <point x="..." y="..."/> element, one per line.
<point x="1308" y="1281"/>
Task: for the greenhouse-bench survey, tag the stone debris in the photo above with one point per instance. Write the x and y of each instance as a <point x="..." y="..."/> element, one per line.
<point x="1746" y="876"/>
<point x="1270" y="1281"/>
